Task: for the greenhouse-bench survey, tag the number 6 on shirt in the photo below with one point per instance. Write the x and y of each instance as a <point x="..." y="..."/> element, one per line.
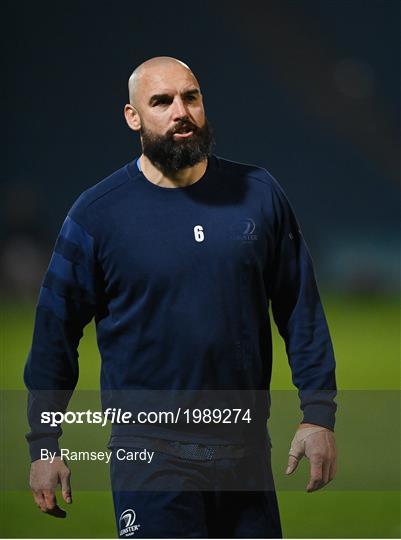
<point x="198" y="233"/>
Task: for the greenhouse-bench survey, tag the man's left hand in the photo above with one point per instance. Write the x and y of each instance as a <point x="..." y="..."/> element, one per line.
<point x="318" y="444"/>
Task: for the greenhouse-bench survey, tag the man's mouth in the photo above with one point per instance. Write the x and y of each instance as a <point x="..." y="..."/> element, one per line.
<point x="185" y="135"/>
<point x="183" y="132"/>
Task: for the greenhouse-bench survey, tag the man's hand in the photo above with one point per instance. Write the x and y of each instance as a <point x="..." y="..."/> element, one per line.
<point x="44" y="478"/>
<point x="317" y="443"/>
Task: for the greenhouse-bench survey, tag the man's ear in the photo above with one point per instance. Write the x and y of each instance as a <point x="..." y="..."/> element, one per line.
<point x="132" y="117"/>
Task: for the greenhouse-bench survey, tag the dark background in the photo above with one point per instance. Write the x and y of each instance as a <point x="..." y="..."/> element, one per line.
<point x="308" y="89"/>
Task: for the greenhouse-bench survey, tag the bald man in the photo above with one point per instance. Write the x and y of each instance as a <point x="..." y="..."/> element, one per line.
<point x="175" y="144"/>
<point x="178" y="256"/>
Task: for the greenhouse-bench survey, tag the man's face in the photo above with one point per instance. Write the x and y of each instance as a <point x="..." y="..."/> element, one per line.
<point x="174" y="130"/>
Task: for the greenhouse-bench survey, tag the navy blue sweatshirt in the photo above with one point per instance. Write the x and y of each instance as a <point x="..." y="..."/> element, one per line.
<point x="179" y="281"/>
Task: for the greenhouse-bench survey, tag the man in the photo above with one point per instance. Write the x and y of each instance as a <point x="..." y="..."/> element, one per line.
<point x="177" y="255"/>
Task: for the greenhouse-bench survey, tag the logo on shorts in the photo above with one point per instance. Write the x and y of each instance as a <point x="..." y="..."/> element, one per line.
<point x="127" y="520"/>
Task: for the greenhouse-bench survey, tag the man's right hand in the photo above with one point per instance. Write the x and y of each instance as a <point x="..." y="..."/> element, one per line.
<point x="43" y="481"/>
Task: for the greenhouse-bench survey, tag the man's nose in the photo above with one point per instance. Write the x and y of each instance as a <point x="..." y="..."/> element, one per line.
<point x="179" y="109"/>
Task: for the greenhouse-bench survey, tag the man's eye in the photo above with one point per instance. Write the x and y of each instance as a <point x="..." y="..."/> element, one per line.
<point x="161" y="102"/>
<point x="191" y="97"/>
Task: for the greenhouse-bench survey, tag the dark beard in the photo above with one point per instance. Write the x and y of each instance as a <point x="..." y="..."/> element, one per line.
<point x="170" y="155"/>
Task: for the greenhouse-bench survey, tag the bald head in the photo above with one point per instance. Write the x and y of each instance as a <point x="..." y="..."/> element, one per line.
<point x="163" y="92"/>
<point x="154" y="69"/>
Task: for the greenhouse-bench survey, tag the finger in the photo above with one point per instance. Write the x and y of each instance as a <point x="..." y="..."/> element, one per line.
<point x="314" y="485"/>
<point x="51" y="504"/>
<point x="50" y="499"/>
<point x="333" y="469"/>
<point x="39" y="500"/>
<point x="316" y="474"/>
<point x="66" y="487"/>
<point x="292" y="464"/>
<point x="57" y="512"/>
<point x="326" y="473"/>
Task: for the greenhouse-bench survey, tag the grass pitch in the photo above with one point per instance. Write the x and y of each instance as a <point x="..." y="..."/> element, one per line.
<point x="365" y="333"/>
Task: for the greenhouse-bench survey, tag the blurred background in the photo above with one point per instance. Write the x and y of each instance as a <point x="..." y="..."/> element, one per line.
<point x="308" y="89"/>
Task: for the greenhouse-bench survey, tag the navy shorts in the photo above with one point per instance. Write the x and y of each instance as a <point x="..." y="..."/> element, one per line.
<point x="188" y="497"/>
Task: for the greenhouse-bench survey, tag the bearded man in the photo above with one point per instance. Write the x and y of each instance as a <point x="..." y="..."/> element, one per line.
<point x="178" y="256"/>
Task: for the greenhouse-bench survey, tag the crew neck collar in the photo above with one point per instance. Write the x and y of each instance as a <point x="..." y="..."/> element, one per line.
<point x="136" y="173"/>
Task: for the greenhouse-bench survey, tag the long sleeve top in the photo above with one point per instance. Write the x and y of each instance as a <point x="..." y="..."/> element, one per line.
<point x="179" y="282"/>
